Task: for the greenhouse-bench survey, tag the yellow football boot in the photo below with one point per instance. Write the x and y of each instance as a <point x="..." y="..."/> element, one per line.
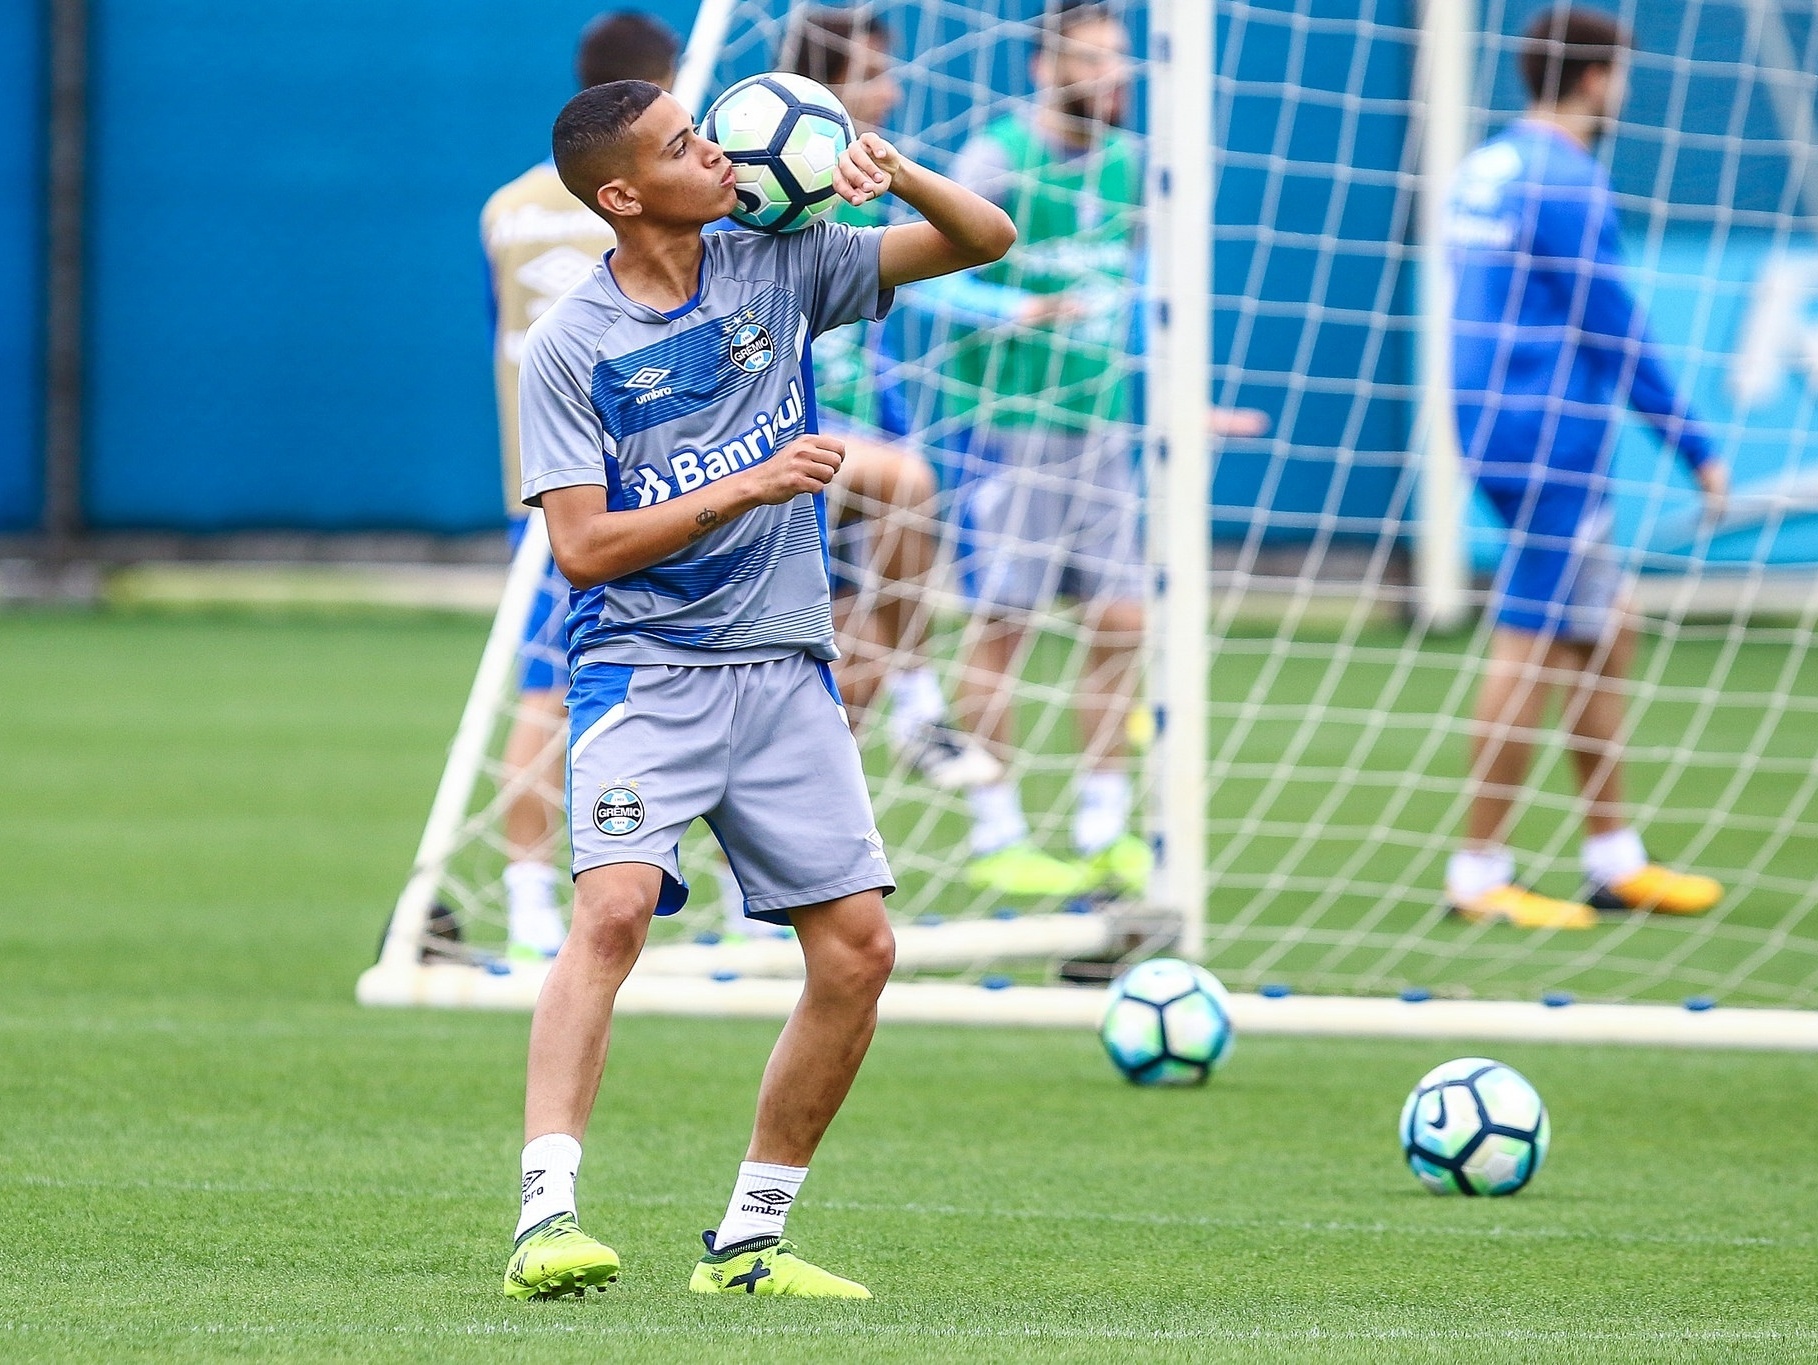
<point x="767" y="1265"/>
<point x="1659" y="890"/>
<point x="1524" y="909"/>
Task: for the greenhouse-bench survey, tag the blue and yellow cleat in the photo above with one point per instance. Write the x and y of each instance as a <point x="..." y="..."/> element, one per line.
<point x="1524" y="909"/>
<point x="556" y="1260"/>
<point x="767" y="1265"/>
<point x="1658" y="890"/>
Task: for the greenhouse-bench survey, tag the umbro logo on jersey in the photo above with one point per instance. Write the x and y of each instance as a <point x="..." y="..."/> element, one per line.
<point x="649" y="379"/>
<point x="773" y="1198"/>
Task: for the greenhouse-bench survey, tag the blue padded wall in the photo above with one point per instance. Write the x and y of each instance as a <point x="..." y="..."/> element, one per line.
<point x="288" y="320"/>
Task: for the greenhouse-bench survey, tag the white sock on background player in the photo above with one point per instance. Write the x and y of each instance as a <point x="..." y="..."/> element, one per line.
<point x="915" y="701"/>
<point x="761" y="1199"/>
<point x="550" y="1164"/>
<point x="1471" y="873"/>
<point x="1102" y="816"/>
<point x="530" y="907"/>
<point x="1613" y="857"/>
<point x="997" y="818"/>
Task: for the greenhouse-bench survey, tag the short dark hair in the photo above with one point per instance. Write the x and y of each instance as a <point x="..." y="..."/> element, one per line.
<point x="821" y="44"/>
<point x="625" y="45"/>
<point x="1061" y="17"/>
<point x="1561" y="44"/>
<point x="590" y="132"/>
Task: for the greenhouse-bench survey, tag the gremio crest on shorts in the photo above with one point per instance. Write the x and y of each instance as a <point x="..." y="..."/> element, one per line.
<point x="752" y="348"/>
<point x="618" y="811"/>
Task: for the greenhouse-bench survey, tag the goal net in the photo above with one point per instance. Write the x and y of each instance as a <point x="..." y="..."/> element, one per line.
<point x="1316" y="563"/>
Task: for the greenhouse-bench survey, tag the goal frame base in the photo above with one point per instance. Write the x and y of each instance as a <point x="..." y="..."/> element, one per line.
<point x="647" y="991"/>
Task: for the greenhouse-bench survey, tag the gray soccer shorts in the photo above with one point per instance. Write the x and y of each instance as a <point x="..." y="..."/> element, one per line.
<point x="760" y="751"/>
<point x="1045" y="514"/>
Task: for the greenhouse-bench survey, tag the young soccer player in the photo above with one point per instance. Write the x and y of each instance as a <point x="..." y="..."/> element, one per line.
<point x="1548" y="346"/>
<point x="539" y="242"/>
<point x="668" y="433"/>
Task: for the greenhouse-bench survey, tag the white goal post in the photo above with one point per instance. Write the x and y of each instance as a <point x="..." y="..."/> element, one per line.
<point x="1313" y="635"/>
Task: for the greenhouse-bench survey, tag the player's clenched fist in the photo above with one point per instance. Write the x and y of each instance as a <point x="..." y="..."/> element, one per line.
<point x="866" y="169"/>
<point x="806" y="465"/>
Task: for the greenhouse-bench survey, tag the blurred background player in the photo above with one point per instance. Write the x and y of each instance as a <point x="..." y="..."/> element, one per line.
<point x="885" y="491"/>
<point x="1049" y="500"/>
<point x="540" y="241"/>
<point x="1548" y="346"/>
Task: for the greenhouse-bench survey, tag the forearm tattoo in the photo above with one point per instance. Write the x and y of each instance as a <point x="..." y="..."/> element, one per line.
<point x="705" y="523"/>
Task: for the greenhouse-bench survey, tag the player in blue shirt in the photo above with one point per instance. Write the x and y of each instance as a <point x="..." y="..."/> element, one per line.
<point x="668" y="432"/>
<point x="1549" y="346"/>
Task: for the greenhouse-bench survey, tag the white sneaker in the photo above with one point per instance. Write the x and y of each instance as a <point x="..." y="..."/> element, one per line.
<point x="949" y="758"/>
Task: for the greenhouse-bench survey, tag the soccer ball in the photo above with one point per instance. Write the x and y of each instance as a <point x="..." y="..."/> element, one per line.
<point x="1167" y="1022"/>
<point x="1474" y="1126"/>
<point x="783" y="134"/>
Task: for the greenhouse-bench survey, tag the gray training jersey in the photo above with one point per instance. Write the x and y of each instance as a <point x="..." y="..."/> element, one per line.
<point x="652" y="405"/>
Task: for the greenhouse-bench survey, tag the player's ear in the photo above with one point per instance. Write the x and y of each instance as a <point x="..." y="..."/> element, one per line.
<point x="618" y="198"/>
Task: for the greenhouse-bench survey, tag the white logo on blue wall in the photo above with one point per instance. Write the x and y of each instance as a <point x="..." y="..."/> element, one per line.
<point x="752" y="349"/>
<point x="618" y="811"/>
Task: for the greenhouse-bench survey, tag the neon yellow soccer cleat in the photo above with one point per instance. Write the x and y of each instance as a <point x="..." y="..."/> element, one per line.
<point x="1525" y="910"/>
<point x="1024" y="870"/>
<point x="1123" y="865"/>
<point x="767" y="1265"/>
<point x="1660" y="890"/>
<point x="556" y="1260"/>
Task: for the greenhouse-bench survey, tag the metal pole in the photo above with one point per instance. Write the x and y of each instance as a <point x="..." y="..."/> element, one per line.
<point x="65" y="211"/>
<point x="1180" y="129"/>
<point x="1442" y="92"/>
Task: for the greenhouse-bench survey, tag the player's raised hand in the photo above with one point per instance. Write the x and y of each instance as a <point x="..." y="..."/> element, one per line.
<point x="866" y="169"/>
<point x="806" y="465"/>
<point x="1714" y="478"/>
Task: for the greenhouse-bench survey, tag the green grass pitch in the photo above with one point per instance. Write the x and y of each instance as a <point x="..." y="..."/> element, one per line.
<point x="208" y="1151"/>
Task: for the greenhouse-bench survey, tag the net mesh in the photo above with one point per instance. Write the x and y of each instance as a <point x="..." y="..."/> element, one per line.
<point x="1339" y="714"/>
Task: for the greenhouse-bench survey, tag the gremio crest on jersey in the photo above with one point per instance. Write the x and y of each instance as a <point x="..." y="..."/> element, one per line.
<point x="752" y="348"/>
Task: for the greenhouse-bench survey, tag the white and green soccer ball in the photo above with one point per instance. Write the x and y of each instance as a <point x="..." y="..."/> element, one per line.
<point x="783" y="134"/>
<point x="1167" y="1022"/>
<point x="1474" y="1126"/>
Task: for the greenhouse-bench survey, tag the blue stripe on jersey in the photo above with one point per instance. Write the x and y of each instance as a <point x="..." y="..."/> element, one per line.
<point x="769" y="629"/>
<point x="813" y="418"/>
<point x="697" y="369"/>
<point x="692" y="579"/>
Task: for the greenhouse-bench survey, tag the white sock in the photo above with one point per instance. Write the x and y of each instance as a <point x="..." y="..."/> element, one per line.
<point x="1103" y="814"/>
<point x="1613" y="857"/>
<point x="1471" y="873"/>
<point x="551" y="1163"/>
<point x="530" y="906"/>
<point x="761" y="1199"/>
<point x="915" y="701"/>
<point x="997" y="818"/>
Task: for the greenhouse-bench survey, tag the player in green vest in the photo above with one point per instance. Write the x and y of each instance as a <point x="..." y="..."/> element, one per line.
<point x="881" y="504"/>
<point x="1049" y="499"/>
